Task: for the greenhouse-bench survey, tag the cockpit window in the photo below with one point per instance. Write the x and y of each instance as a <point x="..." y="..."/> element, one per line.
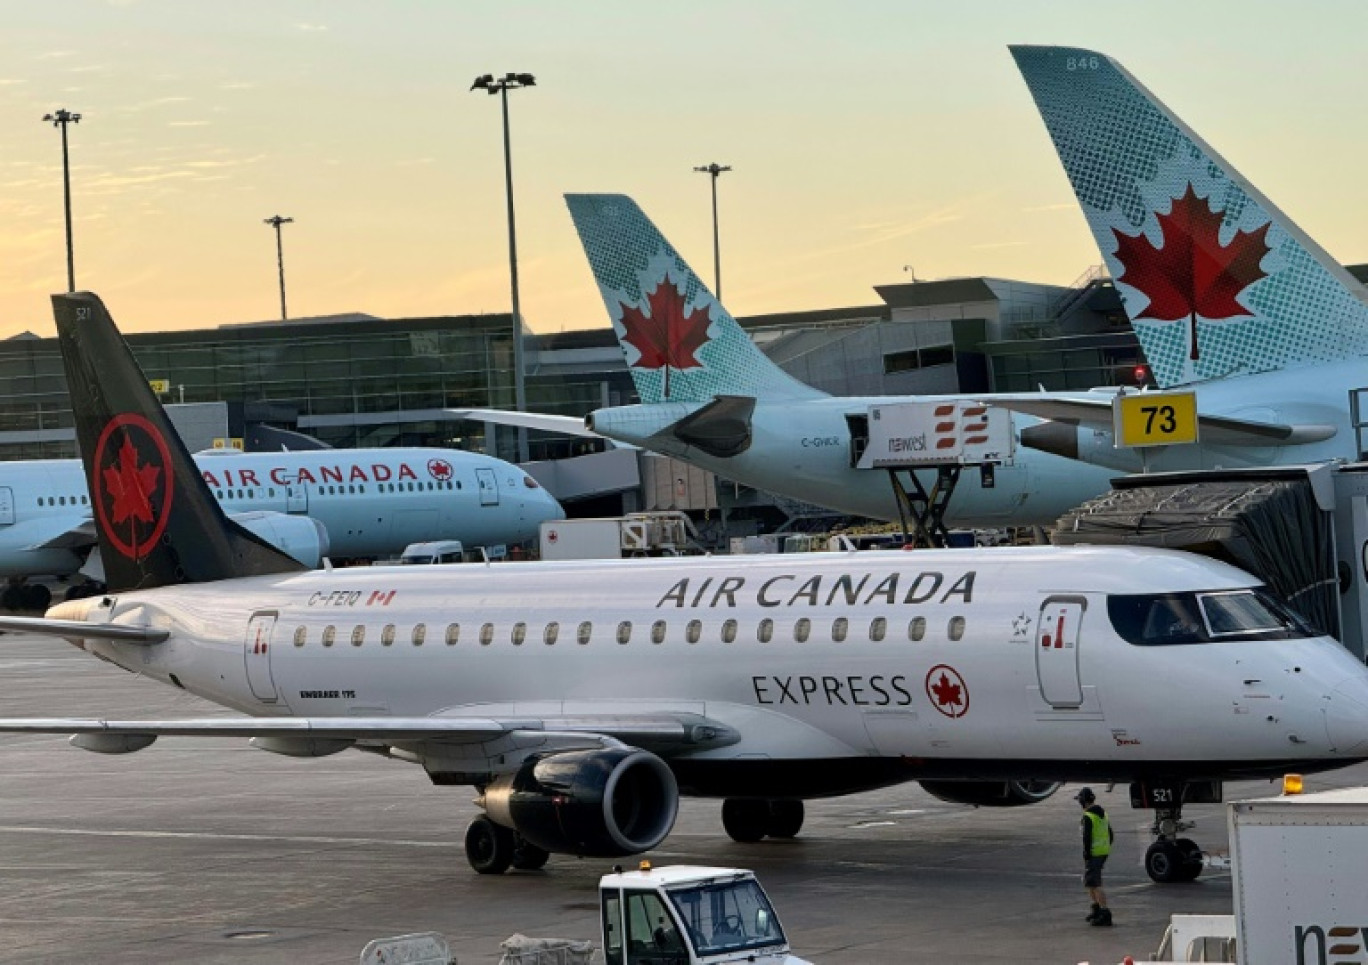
<point x="1167" y="619"/>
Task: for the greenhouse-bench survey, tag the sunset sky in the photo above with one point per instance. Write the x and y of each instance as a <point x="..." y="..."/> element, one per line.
<point x="864" y="136"/>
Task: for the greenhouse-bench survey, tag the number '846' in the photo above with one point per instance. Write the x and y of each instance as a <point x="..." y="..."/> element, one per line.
<point x="1082" y="63"/>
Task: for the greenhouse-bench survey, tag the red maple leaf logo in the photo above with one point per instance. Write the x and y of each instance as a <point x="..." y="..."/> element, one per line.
<point x="666" y="337"/>
<point x="1192" y="273"/>
<point x="130" y="486"/>
<point x="947" y="690"/>
<point x="947" y="694"/>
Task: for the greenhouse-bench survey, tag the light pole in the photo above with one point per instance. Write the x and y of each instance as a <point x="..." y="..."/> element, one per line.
<point x="714" y="169"/>
<point x="501" y="86"/>
<point x="276" y="221"/>
<point x="61" y="118"/>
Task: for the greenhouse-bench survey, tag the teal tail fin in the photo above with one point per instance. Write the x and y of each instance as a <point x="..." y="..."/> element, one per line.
<point x="155" y="519"/>
<point x="1217" y="281"/>
<point x="680" y="344"/>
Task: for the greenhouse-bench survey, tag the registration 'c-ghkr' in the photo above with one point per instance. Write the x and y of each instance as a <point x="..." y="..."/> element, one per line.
<point x="581" y="699"/>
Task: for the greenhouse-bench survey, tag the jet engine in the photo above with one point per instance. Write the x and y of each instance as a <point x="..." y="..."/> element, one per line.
<point x="303" y="537"/>
<point x="596" y="803"/>
<point x="991" y="794"/>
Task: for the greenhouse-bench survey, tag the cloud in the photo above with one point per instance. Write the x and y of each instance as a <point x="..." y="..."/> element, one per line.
<point x="311" y="28"/>
<point x="1064" y="206"/>
<point x="998" y="244"/>
<point x="188" y="124"/>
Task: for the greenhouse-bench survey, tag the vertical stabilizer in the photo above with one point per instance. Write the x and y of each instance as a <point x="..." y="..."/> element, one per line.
<point x="156" y="521"/>
<point x="1217" y="281"/>
<point x="680" y="344"/>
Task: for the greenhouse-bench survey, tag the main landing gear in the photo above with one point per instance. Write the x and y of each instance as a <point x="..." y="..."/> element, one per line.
<point x="750" y="819"/>
<point x="492" y="849"/>
<point x="1172" y="858"/>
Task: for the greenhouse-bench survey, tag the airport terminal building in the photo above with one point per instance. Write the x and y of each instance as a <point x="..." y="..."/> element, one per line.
<point x="359" y="380"/>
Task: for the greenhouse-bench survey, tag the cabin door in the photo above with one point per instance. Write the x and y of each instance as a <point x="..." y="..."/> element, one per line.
<point x="6" y="506"/>
<point x="296" y="498"/>
<point x="258" y="655"/>
<point x="1056" y="650"/>
<point x="489" y="487"/>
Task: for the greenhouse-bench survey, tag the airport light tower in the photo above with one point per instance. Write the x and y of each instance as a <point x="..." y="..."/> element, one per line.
<point x="61" y="118"/>
<point x="276" y="221"/>
<point x="501" y="86"/>
<point x="714" y="169"/>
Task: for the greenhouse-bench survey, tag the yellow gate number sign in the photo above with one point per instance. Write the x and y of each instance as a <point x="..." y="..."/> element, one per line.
<point x="1155" y="419"/>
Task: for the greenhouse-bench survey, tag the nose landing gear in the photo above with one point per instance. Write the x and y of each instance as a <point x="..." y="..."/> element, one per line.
<point x="1172" y="858"/>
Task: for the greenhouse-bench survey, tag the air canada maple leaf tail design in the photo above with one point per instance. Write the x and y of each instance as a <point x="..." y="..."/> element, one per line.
<point x="156" y="521"/>
<point x="681" y="345"/>
<point x="1217" y="281"/>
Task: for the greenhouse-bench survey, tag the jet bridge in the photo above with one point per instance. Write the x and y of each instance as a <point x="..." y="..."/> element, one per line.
<point x="944" y="437"/>
<point x="1301" y="529"/>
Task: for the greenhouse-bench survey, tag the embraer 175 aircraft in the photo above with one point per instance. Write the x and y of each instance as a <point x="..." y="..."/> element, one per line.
<point x="581" y="699"/>
<point x="339" y="502"/>
<point x="1225" y="292"/>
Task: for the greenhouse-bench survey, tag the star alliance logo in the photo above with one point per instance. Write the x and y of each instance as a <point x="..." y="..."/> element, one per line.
<point x="1021" y="626"/>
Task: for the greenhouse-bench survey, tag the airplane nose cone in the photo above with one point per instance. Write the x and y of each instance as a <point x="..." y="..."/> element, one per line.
<point x="1346" y="718"/>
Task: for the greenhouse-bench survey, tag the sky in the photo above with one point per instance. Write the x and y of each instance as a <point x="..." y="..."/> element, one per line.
<point x="869" y="140"/>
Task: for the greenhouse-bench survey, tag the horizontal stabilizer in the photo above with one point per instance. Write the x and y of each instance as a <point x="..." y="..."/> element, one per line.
<point x="69" y="629"/>
<point x="1213" y="429"/>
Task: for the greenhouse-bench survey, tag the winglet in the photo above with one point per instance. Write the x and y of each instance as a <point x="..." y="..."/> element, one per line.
<point x="156" y="521"/>
<point x="1216" y="280"/>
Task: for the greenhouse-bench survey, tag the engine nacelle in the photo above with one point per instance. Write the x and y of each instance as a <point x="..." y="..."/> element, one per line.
<point x="991" y="794"/>
<point x="303" y="537"/>
<point x="112" y="743"/>
<point x="595" y="803"/>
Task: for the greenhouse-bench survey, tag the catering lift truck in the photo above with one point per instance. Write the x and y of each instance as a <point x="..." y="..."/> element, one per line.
<point x="902" y="438"/>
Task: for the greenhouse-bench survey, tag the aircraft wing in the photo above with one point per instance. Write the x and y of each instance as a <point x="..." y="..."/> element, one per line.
<point x="69" y="629"/>
<point x="564" y="424"/>
<point x="1215" y="430"/>
<point x="662" y="732"/>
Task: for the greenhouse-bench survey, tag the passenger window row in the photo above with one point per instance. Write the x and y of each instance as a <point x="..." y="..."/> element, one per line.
<point x="693" y="632"/>
<point x="63" y="500"/>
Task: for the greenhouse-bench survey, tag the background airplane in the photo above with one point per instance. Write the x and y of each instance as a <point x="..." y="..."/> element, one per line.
<point x="347" y="503"/>
<point x="710" y="397"/>
<point x="581" y="699"/>
<point x="1226" y="294"/>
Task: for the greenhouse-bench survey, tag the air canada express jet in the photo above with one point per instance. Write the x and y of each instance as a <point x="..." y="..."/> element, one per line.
<point x="581" y="699"/>
<point x="339" y="502"/>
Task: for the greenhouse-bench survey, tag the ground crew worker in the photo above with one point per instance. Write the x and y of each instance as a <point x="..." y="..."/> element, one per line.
<point x="1097" y="842"/>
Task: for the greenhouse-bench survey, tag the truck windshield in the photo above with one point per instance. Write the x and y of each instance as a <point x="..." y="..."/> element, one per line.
<point x="727" y="917"/>
<point x="1167" y="619"/>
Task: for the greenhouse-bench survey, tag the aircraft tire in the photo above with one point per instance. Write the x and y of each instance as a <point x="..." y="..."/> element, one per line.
<point x="1164" y="862"/>
<point x="785" y="818"/>
<point x="11" y="598"/>
<point x="36" y="596"/>
<point x="1191" y="858"/>
<point x="489" y="846"/>
<point x="527" y="856"/>
<point x="745" y="819"/>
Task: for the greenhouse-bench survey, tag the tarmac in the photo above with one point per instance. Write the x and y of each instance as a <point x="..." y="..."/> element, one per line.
<point x="208" y="850"/>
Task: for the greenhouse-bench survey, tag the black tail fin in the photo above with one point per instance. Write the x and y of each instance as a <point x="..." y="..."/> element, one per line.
<point x="157" y="522"/>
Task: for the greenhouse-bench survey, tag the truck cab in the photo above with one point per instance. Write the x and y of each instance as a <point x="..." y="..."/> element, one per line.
<point x="433" y="553"/>
<point x="689" y="915"/>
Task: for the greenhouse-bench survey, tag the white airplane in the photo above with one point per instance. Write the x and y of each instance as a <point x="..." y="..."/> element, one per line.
<point x="581" y="699"/>
<point x="340" y="502"/>
<point x="1226" y="294"/>
<point x="710" y="397"/>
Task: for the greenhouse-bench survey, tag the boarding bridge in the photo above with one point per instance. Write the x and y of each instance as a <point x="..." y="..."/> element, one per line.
<point x="1303" y="530"/>
<point x="944" y="438"/>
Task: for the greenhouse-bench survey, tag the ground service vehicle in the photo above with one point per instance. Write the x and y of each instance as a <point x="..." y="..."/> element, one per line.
<point x="685" y="914"/>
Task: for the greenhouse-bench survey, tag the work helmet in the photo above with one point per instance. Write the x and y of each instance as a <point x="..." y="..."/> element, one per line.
<point x="1085" y="796"/>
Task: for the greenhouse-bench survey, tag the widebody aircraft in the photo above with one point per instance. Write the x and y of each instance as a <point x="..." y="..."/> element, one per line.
<point x="1226" y="294"/>
<point x="344" y="503"/>
<point x="581" y="699"/>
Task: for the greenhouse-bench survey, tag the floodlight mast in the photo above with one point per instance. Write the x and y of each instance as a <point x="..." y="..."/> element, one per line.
<point x="61" y="118"/>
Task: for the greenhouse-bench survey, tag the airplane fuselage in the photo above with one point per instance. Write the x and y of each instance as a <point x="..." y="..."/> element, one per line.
<point x="371" y="502"/>
<point x="837" y="671"/>
<point x="801" y="449"/>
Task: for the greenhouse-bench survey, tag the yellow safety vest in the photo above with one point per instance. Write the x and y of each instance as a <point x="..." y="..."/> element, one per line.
<point x="1101" y="834"/>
